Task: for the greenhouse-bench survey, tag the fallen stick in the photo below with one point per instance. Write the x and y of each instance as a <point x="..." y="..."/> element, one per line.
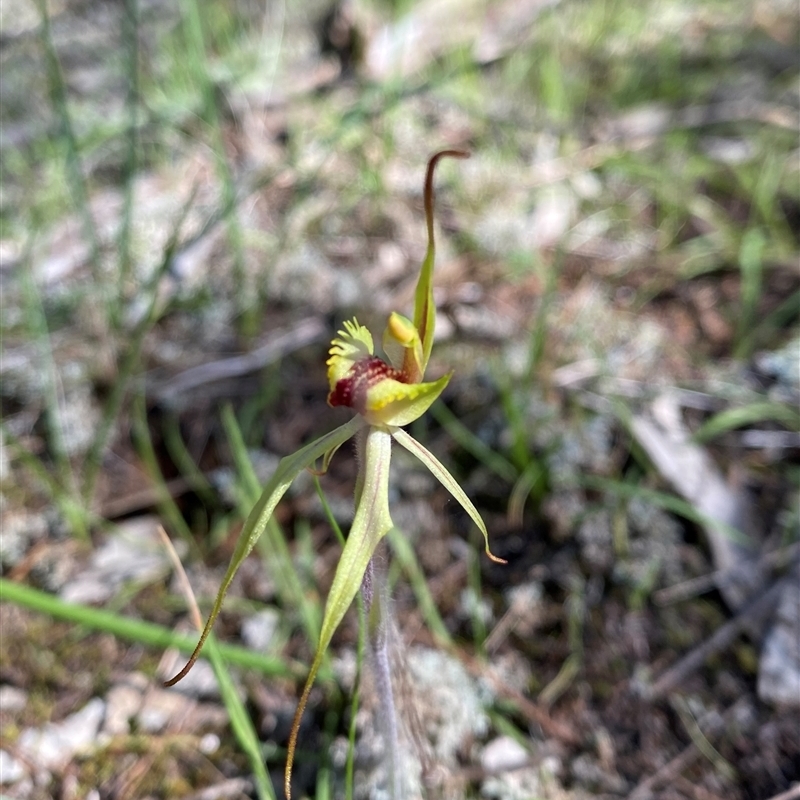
<point x="755" y="611"/>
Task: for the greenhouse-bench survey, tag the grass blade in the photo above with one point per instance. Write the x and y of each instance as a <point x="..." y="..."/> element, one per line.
<point x="136" y="630"/>
<point x="144" y="444"/>
<point x="405" y="556"/>
<point x="751" y="266"/>
<point x="129" y="363"/>
<point x="77" y="182"/>
<point x="241" y="723"/>
<point x="130" y="35"/>
<point x="456" y="429"/>
<point x="734" y="418"/>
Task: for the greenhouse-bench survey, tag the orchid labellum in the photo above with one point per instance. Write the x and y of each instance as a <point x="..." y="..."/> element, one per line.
<point x="385" y="395"/>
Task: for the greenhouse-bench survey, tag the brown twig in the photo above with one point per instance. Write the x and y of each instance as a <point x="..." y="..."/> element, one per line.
<point x="553" y="728"/>
<point x="672" y="769"/>
<point x="143" y="498"/>
<point x="756" y="610"/>
<point x="183" y="580"/>
<point x="704" y="583"/>
<point x="280" y="344"/>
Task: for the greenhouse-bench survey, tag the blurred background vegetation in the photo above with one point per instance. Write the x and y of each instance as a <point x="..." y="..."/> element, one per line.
<point x="196" y="194"/>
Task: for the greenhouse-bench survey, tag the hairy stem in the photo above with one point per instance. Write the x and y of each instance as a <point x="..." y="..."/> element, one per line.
<point x="378" y="639"/>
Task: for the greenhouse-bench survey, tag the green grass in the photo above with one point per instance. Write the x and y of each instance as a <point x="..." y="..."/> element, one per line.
<point x="136" y="630"/>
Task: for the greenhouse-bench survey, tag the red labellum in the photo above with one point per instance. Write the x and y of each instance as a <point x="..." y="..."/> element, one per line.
<point x="351" y="391"/>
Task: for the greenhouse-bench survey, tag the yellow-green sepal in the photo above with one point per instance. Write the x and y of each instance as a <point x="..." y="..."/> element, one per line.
<point x="391" y="402"/>
<point x="424" y="309"/>
<point x="288" y="469"/>
<point x="440" y="472"/>
<point x="370" y="524"/>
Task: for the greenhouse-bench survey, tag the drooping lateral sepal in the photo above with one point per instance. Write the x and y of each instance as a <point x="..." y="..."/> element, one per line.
<point x="288" y="469"/>
<point x="440" y="472"/>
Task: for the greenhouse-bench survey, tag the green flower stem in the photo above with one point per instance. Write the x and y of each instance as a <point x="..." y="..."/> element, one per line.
<point x="378" y="625"/>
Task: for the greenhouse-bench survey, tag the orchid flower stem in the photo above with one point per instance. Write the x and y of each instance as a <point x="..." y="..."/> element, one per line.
<point x="378" y="642"/>
<point x="378" y="630"/>
<point x="349" y="780"/>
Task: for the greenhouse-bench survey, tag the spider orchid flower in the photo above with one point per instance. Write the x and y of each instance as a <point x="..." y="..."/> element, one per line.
<point x="385" y="396"/>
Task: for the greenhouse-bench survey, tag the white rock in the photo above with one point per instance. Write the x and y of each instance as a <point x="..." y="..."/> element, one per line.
<point x="728" y="150"/>
<point x="779" y="666"/>
<point x="259" y="630"/>
<point x="20" y="529"/>
<point x="5" y="461"/>
<point x="160" y="707"/>
<point x="134" y="552"/>
<point x="209" y="744"/>
<point x="123" y="703"/>
<point x="11" y="770"/>
<point x="78" y="419"/>
<point x="503" y="753"/>
<point x="52" y="746"/>
<point x="12" y="699"/>
<point x="552" y="216"/>
<point x="442" y="683"/>
<point x="521" y="784"/>
<point x="447" y="705"/>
